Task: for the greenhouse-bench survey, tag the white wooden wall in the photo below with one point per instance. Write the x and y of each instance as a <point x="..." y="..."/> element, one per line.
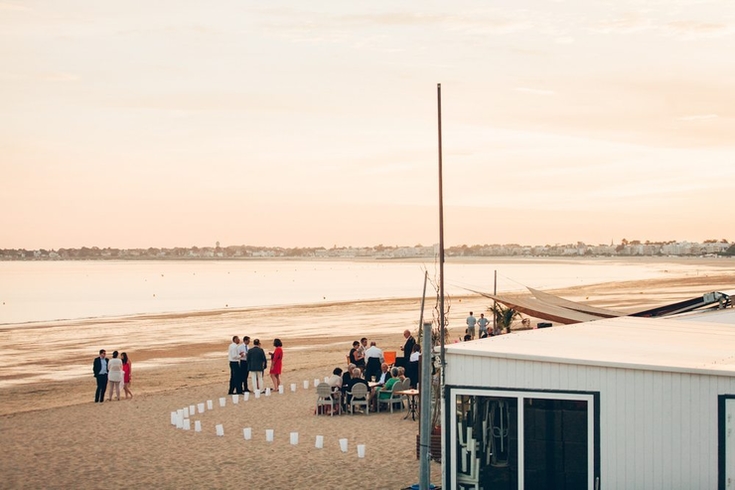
<point x="658" y="430"/>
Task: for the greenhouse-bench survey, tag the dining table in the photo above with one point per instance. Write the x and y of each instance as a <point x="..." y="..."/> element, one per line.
<point x="412" y="403"/>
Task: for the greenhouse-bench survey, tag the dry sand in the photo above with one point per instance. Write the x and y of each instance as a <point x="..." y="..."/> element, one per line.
<point x="54" y="436"/>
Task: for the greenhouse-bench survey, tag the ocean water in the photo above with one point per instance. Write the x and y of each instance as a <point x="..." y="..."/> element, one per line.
<point x="276" y="295"/>
<point x="42" y="291"/>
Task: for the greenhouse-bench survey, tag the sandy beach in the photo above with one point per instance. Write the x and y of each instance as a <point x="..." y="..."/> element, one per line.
<point x="54" y="436"/>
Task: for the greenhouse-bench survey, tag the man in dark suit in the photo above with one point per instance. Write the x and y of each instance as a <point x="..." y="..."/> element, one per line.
<point x="407" y="349"/>
<point x="257" y="363"/>
<point x="99" y="368"/>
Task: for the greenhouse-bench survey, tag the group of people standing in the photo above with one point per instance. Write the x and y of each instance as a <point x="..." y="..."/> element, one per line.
<point x="482" y="324"/>
<point x="369" y="359"/>
<point x="113" y="372"/>
<point x="250" y="362"/>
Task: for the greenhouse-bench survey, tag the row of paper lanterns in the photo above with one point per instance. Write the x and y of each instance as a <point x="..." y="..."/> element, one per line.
<point x="200" y="407"/>
<point x="180" y="418"/>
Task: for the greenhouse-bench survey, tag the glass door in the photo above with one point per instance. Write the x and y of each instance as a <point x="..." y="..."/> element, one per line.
<point x="523" y="440"/>
<point x="555" y="443"/>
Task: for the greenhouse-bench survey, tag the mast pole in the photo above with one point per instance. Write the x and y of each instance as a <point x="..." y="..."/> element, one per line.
<point x="442" y="320"/>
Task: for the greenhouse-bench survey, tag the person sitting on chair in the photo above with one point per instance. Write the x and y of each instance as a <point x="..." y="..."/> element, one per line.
<point x="385" y="392"/>
<point x="345" y="385"/>
<point x="385" y="374"/>
<point x="355" y="380"/>
<point x="335" y="381"/>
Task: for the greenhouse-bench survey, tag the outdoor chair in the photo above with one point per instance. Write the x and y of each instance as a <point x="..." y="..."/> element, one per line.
<point x="359" y="397"/>
<point x="325" y="397"/>
<point x="394" y="397"/>
<point x="471" y="477"/>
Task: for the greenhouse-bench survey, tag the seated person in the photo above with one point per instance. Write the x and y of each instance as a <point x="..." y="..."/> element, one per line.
<point x="384" y="375"/>
<point x="345" y="386"/>
<point x="356" y="355"/>
<point x="335" y="381"/>
<point x="384" y="393"/>
<point x="354" y="380"/>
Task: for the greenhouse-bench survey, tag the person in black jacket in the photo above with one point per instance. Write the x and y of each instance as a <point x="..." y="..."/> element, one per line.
<point x="99" y="368"/>
<point x="407" y="349"/>
<point x="257" y="363"/>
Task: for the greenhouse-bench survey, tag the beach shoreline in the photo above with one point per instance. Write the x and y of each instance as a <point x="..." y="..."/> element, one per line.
<point x="46" y="392"/>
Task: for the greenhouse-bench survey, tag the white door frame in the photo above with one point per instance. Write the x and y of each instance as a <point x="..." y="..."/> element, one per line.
<point x="520" y="397"/>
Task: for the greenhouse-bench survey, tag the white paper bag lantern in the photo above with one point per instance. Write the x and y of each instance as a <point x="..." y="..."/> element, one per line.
<point x="280" y="389"/>
<point x="235" y="398"/>
<point x="222" y="401"/>
<point x="306" y="385"/>
<point x="187" y="424"/>
<point x="319" y="442"/>
<point x="185" y="410"/>
<point x="267" y="392"/>
<point x="201" y="407"/>
<point x="174" y="418"/>
<point x="219" y="429"/>
<point x="257" y="393"/>
<point x="210" y="405"/>
<point x="246" y="396"/>
<point x="316" y="382"/>
<point x="343" y="445"/>
<point x="192" y="410"/>
<point x="269" y="435"/>
<point x="247" y="433"/>
<point x="293" y="387"/>
<point x="294" y="438"/>
<point x="197" y="426"/>
<point x="361" y="450"/>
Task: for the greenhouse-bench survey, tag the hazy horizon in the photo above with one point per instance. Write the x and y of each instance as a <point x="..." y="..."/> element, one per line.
<point x="216" y="244"/>
<point x="162" y="124"/>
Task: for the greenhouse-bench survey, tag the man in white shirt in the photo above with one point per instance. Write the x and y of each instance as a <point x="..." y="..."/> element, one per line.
<point x="373" y="359"/>
<point x="384" y="374"/>
<point x="234" y="357"/>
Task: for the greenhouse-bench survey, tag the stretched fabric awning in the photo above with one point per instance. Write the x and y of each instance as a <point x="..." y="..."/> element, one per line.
<point x="538" y="309"/>
<point x="573" y="305"/>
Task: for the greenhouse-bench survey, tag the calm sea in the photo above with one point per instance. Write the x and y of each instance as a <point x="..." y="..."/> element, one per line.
<point x="39" y="291"/>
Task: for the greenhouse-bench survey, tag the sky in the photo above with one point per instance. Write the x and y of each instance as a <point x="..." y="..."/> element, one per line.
<point x="293" y="123"/>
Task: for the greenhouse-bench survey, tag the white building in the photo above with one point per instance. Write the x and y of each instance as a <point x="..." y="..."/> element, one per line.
<point x="630" y="403"/>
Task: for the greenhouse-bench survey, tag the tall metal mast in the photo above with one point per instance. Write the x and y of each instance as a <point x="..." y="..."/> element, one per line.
<point x="442" y="321"/>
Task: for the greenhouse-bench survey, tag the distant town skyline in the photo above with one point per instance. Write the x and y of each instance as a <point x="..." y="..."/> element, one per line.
<point x="624" y="248"/>
<point x="315" y="123"/>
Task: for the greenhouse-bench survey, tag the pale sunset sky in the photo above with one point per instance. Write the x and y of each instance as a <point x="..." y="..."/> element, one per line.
<point x="314" y="123"/>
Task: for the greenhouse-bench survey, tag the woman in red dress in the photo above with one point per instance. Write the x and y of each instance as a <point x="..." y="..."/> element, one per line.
<point x="127" y="368"/>
<point x="276" y="363"/>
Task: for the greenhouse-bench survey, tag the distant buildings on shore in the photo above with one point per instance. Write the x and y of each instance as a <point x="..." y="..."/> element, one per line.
<point x="625" y="248"/>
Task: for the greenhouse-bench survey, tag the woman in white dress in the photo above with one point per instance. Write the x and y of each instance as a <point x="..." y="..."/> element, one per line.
<point x="115" y="377"/>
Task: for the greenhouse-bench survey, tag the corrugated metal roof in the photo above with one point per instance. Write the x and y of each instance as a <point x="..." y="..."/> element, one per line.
<point x="697" y="347"/>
